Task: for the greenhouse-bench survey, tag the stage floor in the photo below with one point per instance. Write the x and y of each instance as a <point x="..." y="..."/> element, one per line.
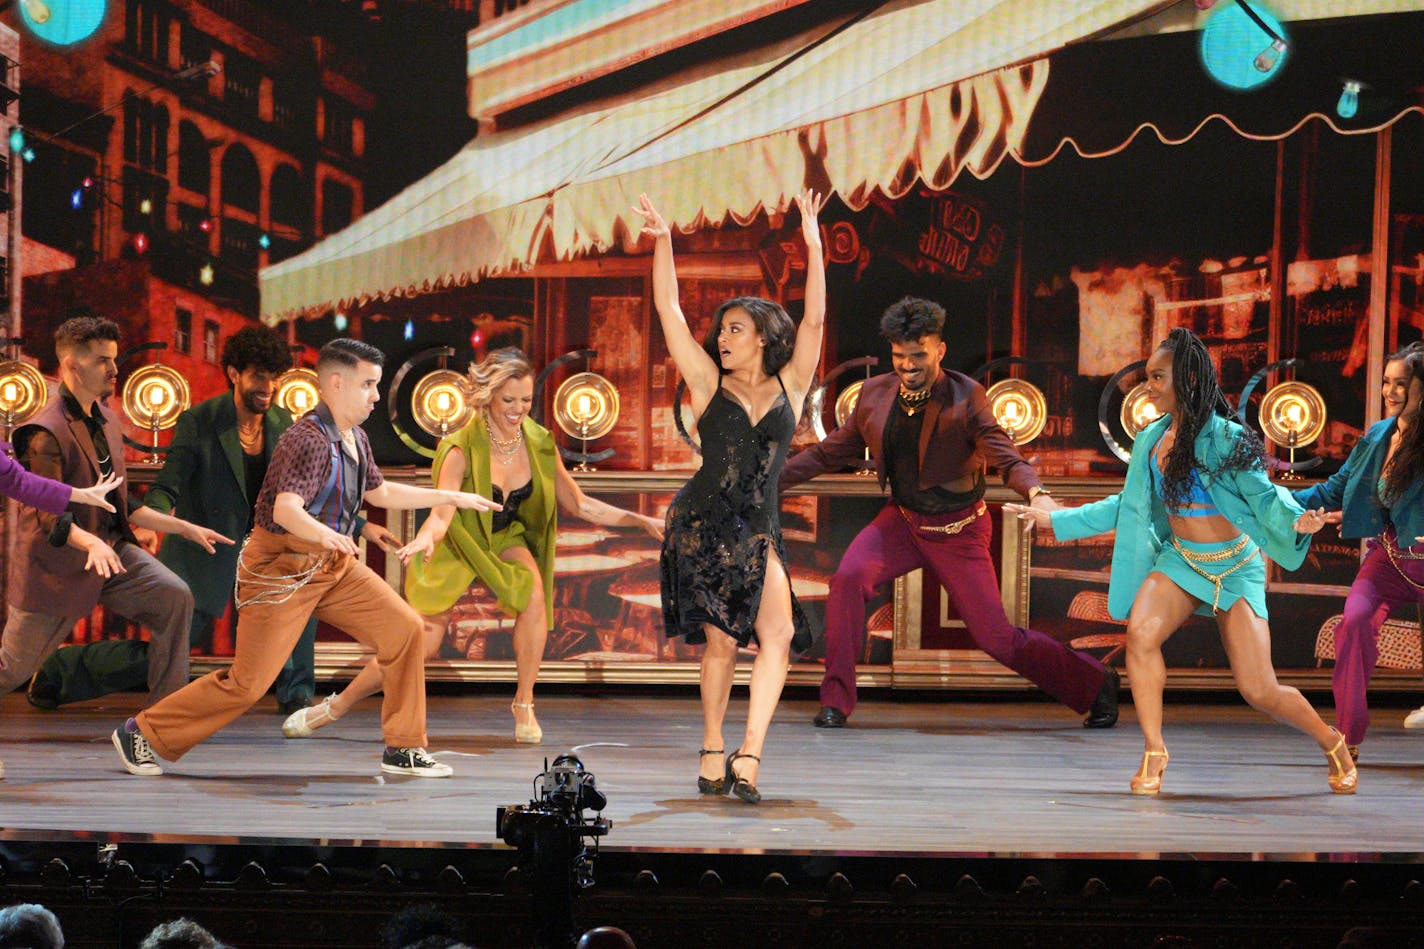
<point x="925" y="778"/>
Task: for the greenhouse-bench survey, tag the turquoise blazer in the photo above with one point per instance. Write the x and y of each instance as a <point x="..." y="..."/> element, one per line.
<point x="1263" y="511"/>
<point x="1351" y="490"/>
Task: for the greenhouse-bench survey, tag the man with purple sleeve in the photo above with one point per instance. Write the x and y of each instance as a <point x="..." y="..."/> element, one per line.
<point x="931" y="435"/>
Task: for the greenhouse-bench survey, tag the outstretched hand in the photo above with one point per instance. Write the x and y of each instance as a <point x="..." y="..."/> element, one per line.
<point x="653" y="224"/>
<point x="422" y="544"/>
<point x="469" y="500"/>
<point x="94" y="495"/>
<point x="1311" y="521"/>
<point x="1036" y="516"/>
<point x="810" y="204"/>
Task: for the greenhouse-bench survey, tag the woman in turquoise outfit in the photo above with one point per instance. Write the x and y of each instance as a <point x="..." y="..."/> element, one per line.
<point x="1195" y="513"/>
<point x="515" y="461"/>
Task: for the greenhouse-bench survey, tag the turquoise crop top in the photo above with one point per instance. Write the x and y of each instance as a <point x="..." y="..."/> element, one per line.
<point x="1198" y="502"/>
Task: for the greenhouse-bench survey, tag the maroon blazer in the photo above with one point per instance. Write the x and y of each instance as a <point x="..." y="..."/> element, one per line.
<point x="48" y="579"/>
<point x="959" y="437"/>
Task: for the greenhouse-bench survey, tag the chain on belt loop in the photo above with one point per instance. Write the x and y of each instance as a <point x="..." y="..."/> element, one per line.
<point x="1395" y="555"/>
<point x="1191" y="558"/>
<point x="951" y="528"/>
<point x="271" y="588"/>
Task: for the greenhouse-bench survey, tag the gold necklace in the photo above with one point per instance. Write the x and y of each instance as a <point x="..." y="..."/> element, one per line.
<point x="912" y="402"/>
<point x="250" y="436"/>
<point x="504" y="448"/>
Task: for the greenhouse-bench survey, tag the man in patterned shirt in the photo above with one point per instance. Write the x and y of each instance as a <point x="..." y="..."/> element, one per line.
<point x="301" y="559"/>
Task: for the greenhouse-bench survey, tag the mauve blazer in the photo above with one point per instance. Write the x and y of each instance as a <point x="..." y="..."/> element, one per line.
<point x="959" y="436"/>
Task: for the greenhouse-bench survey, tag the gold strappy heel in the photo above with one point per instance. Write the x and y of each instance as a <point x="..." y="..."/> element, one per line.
<point x="1343" y="774"/>
<point x="1144" y="783"/>
<point x="530" y="734"/>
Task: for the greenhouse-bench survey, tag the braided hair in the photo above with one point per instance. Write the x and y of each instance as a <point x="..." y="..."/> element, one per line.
<point x="1199" y="396"/>
<point x="1407" y="464"/>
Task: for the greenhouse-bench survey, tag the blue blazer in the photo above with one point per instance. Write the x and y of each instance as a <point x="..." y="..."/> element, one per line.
<point x="1264" y="512"/>
<point x="1351" y="490"/>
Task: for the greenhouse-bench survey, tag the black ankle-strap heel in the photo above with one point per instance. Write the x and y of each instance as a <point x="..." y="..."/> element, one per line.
<point x="740" y="786"/>
<point x="710" y="785"/>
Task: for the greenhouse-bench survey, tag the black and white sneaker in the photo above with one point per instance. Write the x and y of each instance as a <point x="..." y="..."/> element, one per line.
<point x="413" y="761"/>
<point x="135" y="753"/>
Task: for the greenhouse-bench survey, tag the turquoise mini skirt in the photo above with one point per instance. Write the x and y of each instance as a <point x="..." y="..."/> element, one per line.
<point x="1246" y="582"/>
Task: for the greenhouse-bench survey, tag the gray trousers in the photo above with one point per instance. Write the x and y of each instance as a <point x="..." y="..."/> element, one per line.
<point x="147" y="593"/>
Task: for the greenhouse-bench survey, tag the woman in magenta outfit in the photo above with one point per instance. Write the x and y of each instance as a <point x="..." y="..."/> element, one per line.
<point x="1379" y="492"/>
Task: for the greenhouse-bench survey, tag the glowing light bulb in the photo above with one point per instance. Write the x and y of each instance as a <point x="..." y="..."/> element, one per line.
<point x="1267" y="58"/>
<point x="442" y="402"/>
<point x="145" y="206"/>
<point x="11" y="393"/>
<point x="38" y="10"/>
<point x="156" y="396"/>
<point x="302" y="399"/>
<point x="1349" y="102"/>
<point x="340" y="322"/>
<point x="409" y="330"/>
<point x="585" y="405"/>
<point x="205" y="275"/>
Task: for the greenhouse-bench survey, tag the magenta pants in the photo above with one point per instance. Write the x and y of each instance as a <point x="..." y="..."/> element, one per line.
<point x="893" y="545"/>
<point x="1377" y="590"/>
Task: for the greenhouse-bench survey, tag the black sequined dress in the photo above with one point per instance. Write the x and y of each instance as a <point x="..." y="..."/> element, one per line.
<point x="721" y="523"/>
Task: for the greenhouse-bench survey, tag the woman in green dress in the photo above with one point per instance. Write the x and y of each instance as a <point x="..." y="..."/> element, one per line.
<point x="515" y="462"/>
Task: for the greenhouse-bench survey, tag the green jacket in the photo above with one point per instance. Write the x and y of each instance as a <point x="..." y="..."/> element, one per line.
<point x="471" y="548"/>
<point x="203" y="481"/>
<point x="1263" y="511"/>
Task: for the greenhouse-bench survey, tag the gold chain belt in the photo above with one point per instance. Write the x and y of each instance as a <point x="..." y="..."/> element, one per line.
<point x="1192" y="558"/>
<point x="952" y="528"/>
<point x="1392" y="551"/>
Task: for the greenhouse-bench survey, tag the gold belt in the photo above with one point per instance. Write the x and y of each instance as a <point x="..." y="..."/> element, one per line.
<point x="953" y="527"/>
<point x="1193" y="557"/>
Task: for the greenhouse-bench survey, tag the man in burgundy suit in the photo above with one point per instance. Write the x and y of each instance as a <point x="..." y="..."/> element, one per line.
<point x="931" y="434"/>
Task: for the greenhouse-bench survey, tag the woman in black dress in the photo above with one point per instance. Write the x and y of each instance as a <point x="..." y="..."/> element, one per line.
<point x="724" y="578"/>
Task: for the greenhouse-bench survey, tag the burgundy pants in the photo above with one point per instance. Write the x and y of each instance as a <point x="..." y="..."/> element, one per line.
<point x="1377" y="590"/>
<point x="893" y="545"/>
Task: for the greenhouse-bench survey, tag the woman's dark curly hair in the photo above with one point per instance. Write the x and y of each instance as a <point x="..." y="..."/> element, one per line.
<point x="771" y="322"/>
<point x="1407" y="465"/>
<point x="256" y="347"/>
<point x="1199" y="395"/>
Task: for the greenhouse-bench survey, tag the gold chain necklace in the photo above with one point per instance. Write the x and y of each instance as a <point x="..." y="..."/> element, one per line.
<point x="504" y="448"/>
<point x="912" y="402"/>
<point x="250" y="437"/>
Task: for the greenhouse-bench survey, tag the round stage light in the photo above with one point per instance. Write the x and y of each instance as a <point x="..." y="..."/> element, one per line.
<point x="62" y="22"/>
<point x="1020" y="409"/>
<point x="442" y="402"/>
<point x="22" y="392"/>
<point x="154" y="396"/>
<point x="586" y="406"/>
<point x="1137" y="411"/>
<point x="1239" y="52"/>
<point x="1292" y="414"/>
<point x="297" y="392"/>
<point x="845" y="402"/>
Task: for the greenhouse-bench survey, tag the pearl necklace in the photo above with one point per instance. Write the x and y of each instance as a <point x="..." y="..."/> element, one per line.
<point x="505" y="449"/>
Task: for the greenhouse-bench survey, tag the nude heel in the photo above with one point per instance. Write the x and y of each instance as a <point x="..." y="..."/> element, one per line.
<point x="1146" y="784"/>
<point x="530" y="734"/>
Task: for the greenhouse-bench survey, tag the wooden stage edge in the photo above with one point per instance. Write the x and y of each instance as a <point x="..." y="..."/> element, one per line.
<point x="925" y="779"/>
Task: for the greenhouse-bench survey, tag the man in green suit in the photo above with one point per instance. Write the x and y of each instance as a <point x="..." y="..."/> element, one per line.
<point x="212" y="475"/>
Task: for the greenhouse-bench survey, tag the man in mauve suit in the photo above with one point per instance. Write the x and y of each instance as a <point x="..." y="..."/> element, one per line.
<point x="66" y="564"/>
<point x="931" y="434"/>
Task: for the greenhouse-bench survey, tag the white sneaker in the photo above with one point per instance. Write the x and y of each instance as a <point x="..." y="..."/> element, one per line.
<point x="1415" y="719"/>
<point x="304" y="721"/>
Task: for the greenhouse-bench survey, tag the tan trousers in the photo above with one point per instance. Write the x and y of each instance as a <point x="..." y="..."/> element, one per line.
<point x="345" y="593"/>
